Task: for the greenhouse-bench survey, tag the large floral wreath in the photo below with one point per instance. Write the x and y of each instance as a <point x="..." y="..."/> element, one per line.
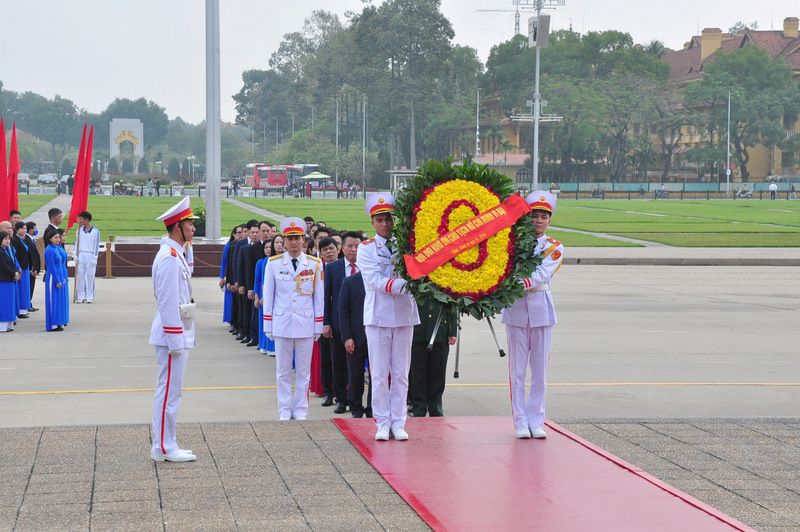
<point x="482" y="280"/>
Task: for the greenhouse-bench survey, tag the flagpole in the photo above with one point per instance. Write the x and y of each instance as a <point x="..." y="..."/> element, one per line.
<point x="75" y="255"/>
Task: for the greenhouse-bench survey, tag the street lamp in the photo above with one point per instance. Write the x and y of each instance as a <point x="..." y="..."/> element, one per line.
<point x="191" y="159"/>
<point x="336" y="178"/>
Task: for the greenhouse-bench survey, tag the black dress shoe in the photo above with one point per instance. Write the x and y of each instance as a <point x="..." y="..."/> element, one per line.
<point x="340" y="408"/>
<point x="32" y="309"/>
<point x="328" y="401"/>
<point x="252" y="343"/>
<point x="23" y="316"/>
<point x="240" y="337"/>
<point x="357" y="413"/>
<point x="245" y="340"/>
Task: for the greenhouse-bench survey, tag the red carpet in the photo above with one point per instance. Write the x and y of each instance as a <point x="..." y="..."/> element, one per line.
<point x="471" y="473"/>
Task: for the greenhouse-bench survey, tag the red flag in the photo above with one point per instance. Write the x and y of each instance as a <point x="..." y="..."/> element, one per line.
<point x="74" y="206"/>
<point x="5" y="201"/>
<point x="86" y="175"/>
<point x="13" y="170"/>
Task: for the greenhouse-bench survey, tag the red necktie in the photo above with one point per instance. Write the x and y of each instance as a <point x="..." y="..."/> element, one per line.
<point x="352" y="269"/>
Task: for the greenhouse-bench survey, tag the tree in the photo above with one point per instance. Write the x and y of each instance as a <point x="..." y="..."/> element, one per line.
<point x="67" y="168"/>
<point x="143" y="168"/>
<point x="493" y="135"/>
<point x="174" y="168"/>
<point x="127" y="166"/>
<point x="153" y="117"/>
<point x="113" y="167"/>
<point x="759" y="100"/>
<point x="506" y="145"/>
<point x="655" y="48"/>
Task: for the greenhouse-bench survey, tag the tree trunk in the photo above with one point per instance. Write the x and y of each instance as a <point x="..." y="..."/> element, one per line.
<point x="412" y="164"/>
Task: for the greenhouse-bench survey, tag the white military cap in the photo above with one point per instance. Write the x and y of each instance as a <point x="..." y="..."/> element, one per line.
<point x="293" y="226"/>
<point x="180" y="211"/>
<point x="379" y="203"/>
<point x="541" y="200"/>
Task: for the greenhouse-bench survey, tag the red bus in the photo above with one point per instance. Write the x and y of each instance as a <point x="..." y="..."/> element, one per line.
<point x="260" y="175"/>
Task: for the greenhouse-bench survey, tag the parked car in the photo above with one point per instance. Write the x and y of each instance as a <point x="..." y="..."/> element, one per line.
<point x="46" y="179"/>
<point x="23" y="178"/>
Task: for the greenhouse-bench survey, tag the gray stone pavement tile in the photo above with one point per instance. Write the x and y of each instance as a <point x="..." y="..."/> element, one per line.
<point x="101" y="496"/>
<point x="345" y="501"/>
<point x="66" y="497"/>
<point x="190" y="492"/>
<point x="141" y="506"/>
<point x="207" y="525"/>
<point x="377" y="501"/>
<point x="60" y="487"/>
<point x="126" y="484"/>
<point x="284" y="524"/>
<point x="270" y="490"/>
<point x="111" y="523"/>
<point x="400" y="520"/>
<point x="333" y="523"/>
<point x="173" y="517"/>
<point x="52" y="522"/>
<point x="208" y="504"/>
<point x="184" y="482"/>
<point x="270" y="505"/>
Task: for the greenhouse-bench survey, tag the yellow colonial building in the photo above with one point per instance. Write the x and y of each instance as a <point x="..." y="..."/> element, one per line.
<point x="686" y="66"/>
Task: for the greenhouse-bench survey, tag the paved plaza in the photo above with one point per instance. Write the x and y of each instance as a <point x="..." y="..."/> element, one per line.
<point x="690" y="373"/>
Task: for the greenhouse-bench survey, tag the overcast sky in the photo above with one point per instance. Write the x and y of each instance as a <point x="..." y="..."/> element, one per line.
<point x="92" y="51"/>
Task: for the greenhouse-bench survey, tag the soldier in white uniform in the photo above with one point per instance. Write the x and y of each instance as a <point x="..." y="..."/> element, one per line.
<point x="389" y="318"/>
<point x="293" y="312"/>
<point x="173" y="330"/>
<point x="88" y="244"/>
<point x="529" y="324"/>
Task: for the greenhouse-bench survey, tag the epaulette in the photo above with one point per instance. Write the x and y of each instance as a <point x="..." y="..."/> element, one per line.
<point x="553" y="241"/>
<point x="312" y="257"/>
<point x="173" y="252"/>
<point x="368" y="241"/>
<point x="276" y="256"/>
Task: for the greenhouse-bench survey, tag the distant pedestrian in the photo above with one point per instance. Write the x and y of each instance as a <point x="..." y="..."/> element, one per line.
<point x="773" y="190"/>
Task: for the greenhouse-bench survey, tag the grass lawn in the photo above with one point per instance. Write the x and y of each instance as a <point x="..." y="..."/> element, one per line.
<point x="750" y="223"/>
<point x="340" y="214"/>
<point x="349" y="214"/>
<point x="689" y="223"/>
<point x="136" y="216"/>
<point x="28" y="203"/>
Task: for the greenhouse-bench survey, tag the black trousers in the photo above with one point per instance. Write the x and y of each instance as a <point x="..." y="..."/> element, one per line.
<point x="427" y="378"/>
<point x="255" y="316"/>
<point x="326" y="366"/>
<point x="235" y="310"/>
<point x="355" y="384"/>
<point x="244" y="315"/>
<point x="33" y="283"/>
<point x="339" y="368"/>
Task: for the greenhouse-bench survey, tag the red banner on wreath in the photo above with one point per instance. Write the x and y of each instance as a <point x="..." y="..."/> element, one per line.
<point x="467" y="235"/>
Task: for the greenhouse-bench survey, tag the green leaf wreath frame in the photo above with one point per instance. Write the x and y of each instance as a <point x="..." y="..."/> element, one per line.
<point x="425" y="291"/>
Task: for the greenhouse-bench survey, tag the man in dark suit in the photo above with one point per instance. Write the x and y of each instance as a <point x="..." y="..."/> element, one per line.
<point x="36" y="259"/>
<point x="239" y="253"/>
<point x="335" y="274"/>
<point x="351" y="320"/>
<point x="55" y="215"/>
<point x="253" y="254"/>
<point x="328" y="252"/>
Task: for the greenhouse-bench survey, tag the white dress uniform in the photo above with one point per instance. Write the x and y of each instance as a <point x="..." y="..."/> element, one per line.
<point x="171" y="334"/>
<point x="389" y="318"/>
<point x="529" y="325"/>
<point x="293" y="311"/>
<point x="88" y="249"/>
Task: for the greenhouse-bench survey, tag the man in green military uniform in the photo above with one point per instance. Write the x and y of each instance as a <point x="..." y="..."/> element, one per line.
<point x="429" y="368"/>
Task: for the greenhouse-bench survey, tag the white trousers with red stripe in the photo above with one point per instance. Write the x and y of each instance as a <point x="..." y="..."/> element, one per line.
<point x="528" y="346"/>
<point x="389" y="355"/>
<point x="171" y="368"/>
<point x="293" y="406"/>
